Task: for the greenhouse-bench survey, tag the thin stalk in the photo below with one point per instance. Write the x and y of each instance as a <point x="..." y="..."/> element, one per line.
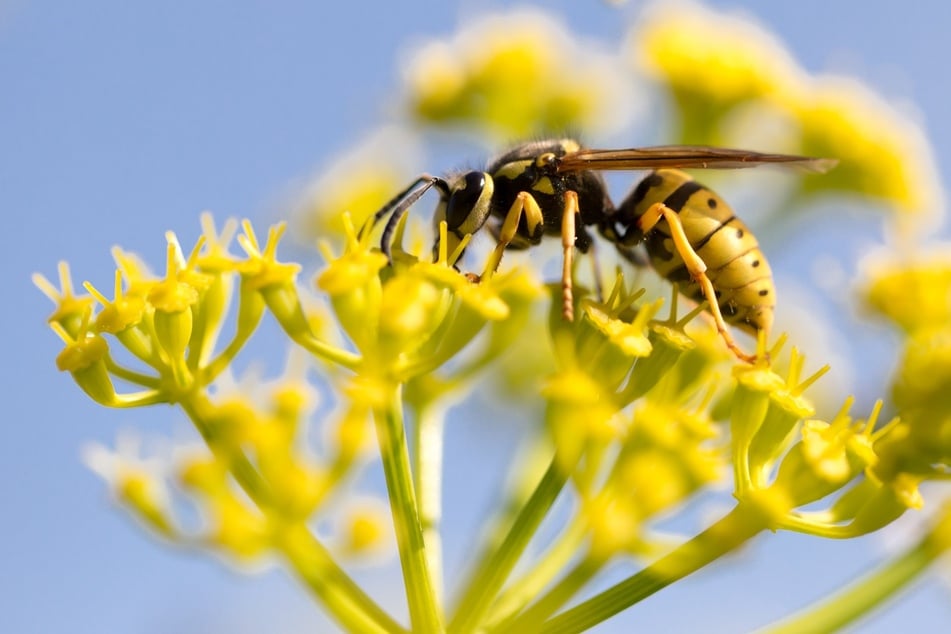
<point x="137" y="378"/>
<point x="428" y="446"/>
<point x="342" y="597"/>
<point x="727" y="534"/>
<point x="391" y="437"/>
<point x="557" y="596"/>
<point x="494" y="568"/>
<point x="865" y="595"/>
<point x="532" y="583"/>
<point x="200" y="411"/>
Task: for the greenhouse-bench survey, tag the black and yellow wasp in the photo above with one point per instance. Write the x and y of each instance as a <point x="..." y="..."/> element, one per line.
<point x="553" y="187"/>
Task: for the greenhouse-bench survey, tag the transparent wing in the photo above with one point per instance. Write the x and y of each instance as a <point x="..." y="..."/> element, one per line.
<point x="700" y="156"/>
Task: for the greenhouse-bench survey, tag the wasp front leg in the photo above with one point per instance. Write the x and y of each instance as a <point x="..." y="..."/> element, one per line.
<point x="525" y="204"/>
<point x="695" y="266"/>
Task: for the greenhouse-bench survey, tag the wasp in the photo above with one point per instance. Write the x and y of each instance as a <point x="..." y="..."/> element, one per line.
<point x="554" y="187"/>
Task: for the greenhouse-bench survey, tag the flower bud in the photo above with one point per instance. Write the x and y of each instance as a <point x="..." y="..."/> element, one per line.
<point x="410" y="310"/>
<point x="85" y="361"/>
<point x="668" y="345"/>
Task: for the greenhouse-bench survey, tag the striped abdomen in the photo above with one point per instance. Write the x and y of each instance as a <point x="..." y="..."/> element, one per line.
<point x="735" y="265"/>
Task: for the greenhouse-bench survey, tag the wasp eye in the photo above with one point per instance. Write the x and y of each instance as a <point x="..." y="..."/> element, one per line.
<point x="464" y="199"/>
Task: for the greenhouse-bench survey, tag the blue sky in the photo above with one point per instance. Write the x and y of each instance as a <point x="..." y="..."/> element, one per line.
<point x="120" y="120"/>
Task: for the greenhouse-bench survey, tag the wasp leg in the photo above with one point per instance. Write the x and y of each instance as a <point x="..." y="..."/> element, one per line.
<point x="695" y="266"/>
<point x="526" y="204"/>
<point x="568" y="236"/>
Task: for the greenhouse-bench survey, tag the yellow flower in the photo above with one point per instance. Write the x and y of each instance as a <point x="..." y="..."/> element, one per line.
<point x="262" y="268"/>
<point x="725" y="72"/>
<point x="922" y="392"/>
<point x="139" y="278"/>
<point x="410" y="309"/>
<point x="656" y="479"/>
<point x="120" y="313"/>
<point x="173" y="299"/>
<point x="237" y="528"/>
<point x="614" y="524"/>
<point x="515" y="75"/>
<point x="786" y="408"/>
<point x="914" y="292"/>
<point x="363" y="529"/>
<point x="579" y="412"/>
<point x="711" y="56"/>
<point x="137" y="483"/>
<point x="829" y="456"/>
<point x="630" y="338"/>
<point x="882" y="153"/>
<point x="711" y="62"/>
<point x="214" y="256"/>
<point x="70" y="309"/>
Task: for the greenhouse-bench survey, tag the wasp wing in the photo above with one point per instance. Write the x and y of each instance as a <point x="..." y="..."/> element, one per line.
<point x="700" y="156"/>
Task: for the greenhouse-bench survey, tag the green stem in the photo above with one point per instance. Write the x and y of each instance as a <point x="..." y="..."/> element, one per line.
<point x="428" y="445"/>
<point x="865" y="595"/>
<point x="495" y="566"/>
<point x="131" y="376"/>
<point x="201" y="411"/>
<point x="556" y="597"/>
<point x="223" y="360"/>
<point x="328" y="352"/>
<point x="343" y="598"/>
<point x="532" y="583"/>
<point x="727" y="534"/>
<point x="336" y="590"/>
<point x="391" y="436"/>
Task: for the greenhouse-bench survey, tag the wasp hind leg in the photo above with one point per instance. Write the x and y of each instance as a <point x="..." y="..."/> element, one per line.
<point x="695" y="266"/>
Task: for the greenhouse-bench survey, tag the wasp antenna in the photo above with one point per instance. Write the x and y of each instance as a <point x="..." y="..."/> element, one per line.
<point x="394" y="202"/>
<point x="399" y="205"/>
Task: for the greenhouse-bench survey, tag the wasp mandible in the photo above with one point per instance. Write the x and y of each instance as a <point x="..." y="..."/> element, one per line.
<point x="554" y="187"/>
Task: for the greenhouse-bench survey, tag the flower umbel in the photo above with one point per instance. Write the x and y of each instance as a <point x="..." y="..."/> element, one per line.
<point x="515" y="76"/>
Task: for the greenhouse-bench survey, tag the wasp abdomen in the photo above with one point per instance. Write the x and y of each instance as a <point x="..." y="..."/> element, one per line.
<point x="735" y="264"/>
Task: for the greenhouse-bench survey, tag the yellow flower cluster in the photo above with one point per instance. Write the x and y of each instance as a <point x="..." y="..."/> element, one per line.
<point x="724" y="71"/>
<point x="711" y="62"/>
<point x="254" y="482"/>
<point x="914" y="293"/>
<point x="515" y="76"/>
<point x="628" y="407"/>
